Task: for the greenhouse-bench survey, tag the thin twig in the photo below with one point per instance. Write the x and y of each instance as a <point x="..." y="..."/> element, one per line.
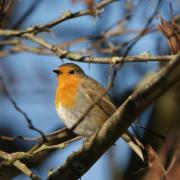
<point x="26" y="14"/>
<point x="140" y="35"/>
<point x="29" y="121"/>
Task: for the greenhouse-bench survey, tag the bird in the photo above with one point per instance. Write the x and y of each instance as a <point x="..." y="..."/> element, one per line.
<point x="74" y="102"/>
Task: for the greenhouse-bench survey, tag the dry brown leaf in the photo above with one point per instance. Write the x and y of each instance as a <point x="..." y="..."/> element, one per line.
<point x="172" y="33"/>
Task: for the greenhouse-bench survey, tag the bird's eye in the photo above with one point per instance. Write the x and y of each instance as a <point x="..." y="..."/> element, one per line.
<point x="71" y="71"/>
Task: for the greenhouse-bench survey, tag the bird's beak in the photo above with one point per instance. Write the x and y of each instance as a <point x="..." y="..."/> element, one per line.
<point x="56" y="71"/>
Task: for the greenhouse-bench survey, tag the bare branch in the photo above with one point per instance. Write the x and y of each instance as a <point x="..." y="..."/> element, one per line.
<point x="74" y="56"/>
<point x="141" y="34"/>
<point x="26" y="14"/>
<point x="66" y="16"/>
<point x="29" y="121"/>
<point x="11" y="159"/>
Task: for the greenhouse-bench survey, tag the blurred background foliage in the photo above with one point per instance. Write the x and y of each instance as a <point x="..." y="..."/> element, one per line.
<point x="30" y="81"/>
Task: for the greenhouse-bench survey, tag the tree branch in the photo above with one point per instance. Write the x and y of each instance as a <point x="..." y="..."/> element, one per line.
<point x="66" y="16"/>
<point x="11" y="159"/>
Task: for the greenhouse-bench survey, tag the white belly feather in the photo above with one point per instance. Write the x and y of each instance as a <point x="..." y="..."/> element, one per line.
<point x="92" y="121"/>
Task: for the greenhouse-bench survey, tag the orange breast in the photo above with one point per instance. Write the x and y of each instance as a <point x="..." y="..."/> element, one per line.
<point x="67" y="90"/>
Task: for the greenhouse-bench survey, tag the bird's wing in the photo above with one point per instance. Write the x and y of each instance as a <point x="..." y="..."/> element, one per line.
<point x="93" y="90"/>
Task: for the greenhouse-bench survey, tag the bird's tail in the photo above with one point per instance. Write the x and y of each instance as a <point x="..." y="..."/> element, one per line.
<point x="135" y="145"/>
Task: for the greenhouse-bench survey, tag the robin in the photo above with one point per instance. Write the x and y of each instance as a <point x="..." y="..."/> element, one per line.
<point x="76" y="92"/>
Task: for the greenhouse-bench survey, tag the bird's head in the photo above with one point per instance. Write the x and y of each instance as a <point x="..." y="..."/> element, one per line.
<point x="68" y="69"/>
